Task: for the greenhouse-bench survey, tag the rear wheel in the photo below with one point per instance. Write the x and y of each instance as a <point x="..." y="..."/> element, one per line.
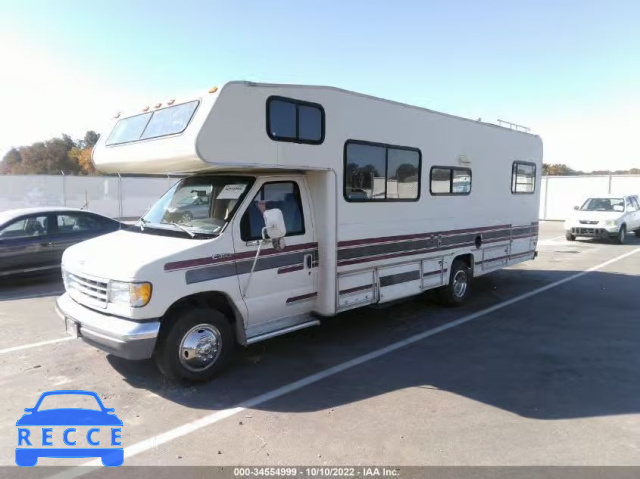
<point x="457" y="290"/>
<point x="196" y="346"/>
<point x="569" y="236"/>
<point x="622" y="235"/>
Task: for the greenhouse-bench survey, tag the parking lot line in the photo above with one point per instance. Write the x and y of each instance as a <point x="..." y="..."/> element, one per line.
<point x="188" y="428"/>
<point x="35" y="345"/>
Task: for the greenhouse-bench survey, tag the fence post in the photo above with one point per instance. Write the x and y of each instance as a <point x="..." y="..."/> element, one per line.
<point x="120" y="209"/>
<point x="609" y="189"/>
<point x="64" y="189"/>
<point x="546" y="196"/>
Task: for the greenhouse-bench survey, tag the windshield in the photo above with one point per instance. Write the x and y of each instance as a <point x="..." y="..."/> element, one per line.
<point x="603" y="204"/>
<point x="199" y="205"/>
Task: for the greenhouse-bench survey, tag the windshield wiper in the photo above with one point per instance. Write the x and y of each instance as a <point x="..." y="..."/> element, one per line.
<point x="190" y="233"/>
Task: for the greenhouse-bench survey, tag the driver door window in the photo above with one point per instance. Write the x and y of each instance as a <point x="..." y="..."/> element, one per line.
<point x="29" y="227"/>
<point x="282" y="195"/>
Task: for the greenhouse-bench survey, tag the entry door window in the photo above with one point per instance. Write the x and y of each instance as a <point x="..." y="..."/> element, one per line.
<point x="284" y="195"/>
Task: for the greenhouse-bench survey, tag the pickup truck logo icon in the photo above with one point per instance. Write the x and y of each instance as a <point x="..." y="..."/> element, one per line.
<point x="69" y="432"/>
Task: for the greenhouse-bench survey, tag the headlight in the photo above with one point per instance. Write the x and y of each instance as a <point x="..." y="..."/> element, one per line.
<point x="132" y="294"/>
<point x="611" y="223"/>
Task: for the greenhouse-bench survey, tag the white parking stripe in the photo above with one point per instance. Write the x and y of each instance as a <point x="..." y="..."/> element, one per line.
<point x="35" y="345"/>
<point x="155" y="441"/>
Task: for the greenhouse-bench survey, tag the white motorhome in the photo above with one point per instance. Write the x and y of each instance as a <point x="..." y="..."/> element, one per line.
<point x="316" y="200"/>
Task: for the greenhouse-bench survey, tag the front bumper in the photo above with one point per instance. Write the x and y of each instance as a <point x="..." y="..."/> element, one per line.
<point x="592" y="231"/>
<point x="120" y="337"/>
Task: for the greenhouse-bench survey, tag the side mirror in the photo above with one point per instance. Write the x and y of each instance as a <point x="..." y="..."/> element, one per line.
<point x="274" y="223"/>
<point x="576" y="207"/>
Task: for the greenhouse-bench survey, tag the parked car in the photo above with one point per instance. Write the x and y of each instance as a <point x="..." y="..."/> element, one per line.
<point x="33" y="239"/>
<point x="607" y="216"/>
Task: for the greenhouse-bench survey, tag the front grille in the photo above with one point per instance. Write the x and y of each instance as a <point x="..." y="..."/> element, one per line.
<point x="587" y="231"/>
<point x="89" y="291"/>
<point x="587" y="222"/>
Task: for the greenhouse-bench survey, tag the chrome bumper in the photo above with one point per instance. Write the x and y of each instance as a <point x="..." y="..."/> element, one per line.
<point x="120" y="337"/>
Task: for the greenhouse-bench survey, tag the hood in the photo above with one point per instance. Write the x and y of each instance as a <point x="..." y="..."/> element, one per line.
<point x="120" y="255"/>
<point x="596" y="215"/>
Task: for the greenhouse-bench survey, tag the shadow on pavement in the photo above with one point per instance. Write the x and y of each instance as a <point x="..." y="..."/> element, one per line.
<point x="31" y="285"/>
<point x="572" y="352"/>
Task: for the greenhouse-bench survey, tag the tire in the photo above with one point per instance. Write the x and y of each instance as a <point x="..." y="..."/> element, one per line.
<point x="622" y="235"/>
<point x="569" y="236"/>
<point x="456" y="292"/>
<point x="197" y="345"/>
<point x="637" y="233"/>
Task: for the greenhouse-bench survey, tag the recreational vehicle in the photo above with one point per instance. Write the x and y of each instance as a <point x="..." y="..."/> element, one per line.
<point x="310" y="201"/>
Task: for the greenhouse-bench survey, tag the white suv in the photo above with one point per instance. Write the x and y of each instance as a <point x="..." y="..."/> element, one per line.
<point x="606" y="216"/>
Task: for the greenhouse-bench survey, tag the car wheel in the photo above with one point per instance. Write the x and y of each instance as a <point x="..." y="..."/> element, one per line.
<point x="569" y="237"/>
<point x="457" y="290"/>
<point x="622" y="235"/>
<point x="196" y="346"/>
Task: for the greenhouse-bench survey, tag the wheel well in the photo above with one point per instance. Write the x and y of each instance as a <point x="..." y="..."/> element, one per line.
<point x="466" y="259"/>
<point x="209" y="299"/>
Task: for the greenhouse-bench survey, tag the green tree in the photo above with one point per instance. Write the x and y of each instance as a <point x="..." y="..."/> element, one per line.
<point x="90" y="139"/>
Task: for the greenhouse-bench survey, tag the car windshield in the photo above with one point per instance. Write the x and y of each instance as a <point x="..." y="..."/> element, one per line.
<point x="199" y="205"/>
<point x="67" y="401"/>
<point x="603" y="204"/>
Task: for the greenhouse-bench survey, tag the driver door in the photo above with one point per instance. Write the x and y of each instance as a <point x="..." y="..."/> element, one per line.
<point x="283" y="288"/>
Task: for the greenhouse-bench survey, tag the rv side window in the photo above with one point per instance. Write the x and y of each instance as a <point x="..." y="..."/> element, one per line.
<point x="523" y="178"/>
<point x="376" y="172"/>
<point x="283" y="195"/>
<point x="450" y="181"/>
<point x="294" y="120"/>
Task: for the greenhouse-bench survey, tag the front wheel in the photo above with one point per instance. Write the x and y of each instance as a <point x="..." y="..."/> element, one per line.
<point x="622" y="235"/>
<point x="196" y="346"/>
<point x="569" y="236"/>
<point x="457" y="290"/>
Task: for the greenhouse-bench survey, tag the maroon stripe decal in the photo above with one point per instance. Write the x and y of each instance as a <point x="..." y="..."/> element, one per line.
<point x="290" y="269"/>
<point x="385" y="239"/>
<point x="209" y="260"/>
<point x="357" y="288"/>
<point x="301" y="298"/>
<point x="508" y="257"/>
<point x="368" y="259"/>
<point x="433" y="273"/>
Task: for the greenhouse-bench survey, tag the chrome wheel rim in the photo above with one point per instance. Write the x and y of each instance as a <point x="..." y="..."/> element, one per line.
<point x="200" y="347"/>
<point x="460" y="284"/>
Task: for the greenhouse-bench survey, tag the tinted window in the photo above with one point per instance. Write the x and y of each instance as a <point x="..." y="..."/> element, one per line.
<point x="26" y="228"/>
<point x="309" y="123"/>
<point x="282" y="119"/>
<point x="170" y="121"/>
<point x="295" y="120"/>
<point x="403" y="173"/>
<point x="77" y="224"/>
<point x="167" y="121"/>
<point x="523" y="178"/>
<point x="365" y="172"/>
<point x="128" y="129"/>
<point x="440" y="181"/>
<point x="282" y="195"/>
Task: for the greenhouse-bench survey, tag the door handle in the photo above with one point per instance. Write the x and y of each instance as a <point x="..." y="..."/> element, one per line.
<point x="308" y="260"/>
<point x="49" y="243"/>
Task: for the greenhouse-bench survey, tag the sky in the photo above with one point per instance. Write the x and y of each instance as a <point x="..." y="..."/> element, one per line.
<point x="569" y="70"/>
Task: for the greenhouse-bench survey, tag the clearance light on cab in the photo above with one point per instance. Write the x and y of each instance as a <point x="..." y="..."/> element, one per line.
<point x="135" y="295"/>
<point x="171" y="102"/>
<point x="213" y="90"/>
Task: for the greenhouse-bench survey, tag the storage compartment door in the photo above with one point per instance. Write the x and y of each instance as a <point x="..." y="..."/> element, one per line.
<point x="399" y="281"/>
